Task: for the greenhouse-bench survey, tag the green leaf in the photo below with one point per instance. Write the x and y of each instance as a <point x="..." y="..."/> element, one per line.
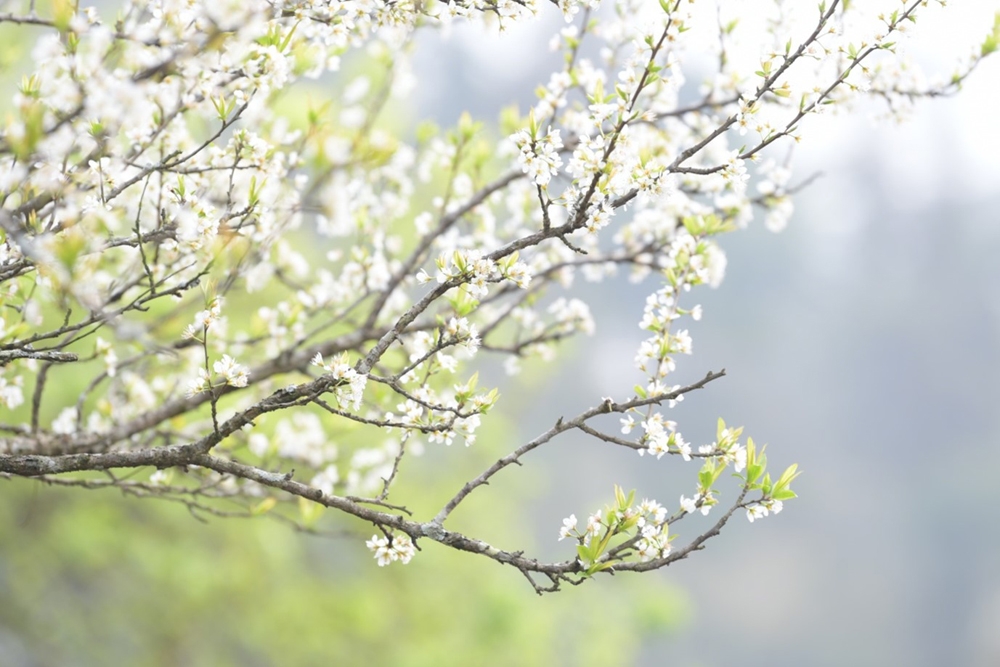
<point x="309" y="511"/>
<point x="599" y="567"/>
<point x="708" y="474"/>
<point x="989" y="46"/>
<point x="467" y="128"/>
<point x="787" y="476"/>
<point x="62" y="14"/>
<point x="671" y="276"/>
<point x="694" y="224"/>
<point x="288" y="37"/>
<point x="510" y="119"/>
<point x="264" y="506"/>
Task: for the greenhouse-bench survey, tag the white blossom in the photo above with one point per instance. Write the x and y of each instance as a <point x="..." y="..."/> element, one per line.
<point x="568" y="527"/>
<point x="236" y="375"/>
<point x="65" y="423"/>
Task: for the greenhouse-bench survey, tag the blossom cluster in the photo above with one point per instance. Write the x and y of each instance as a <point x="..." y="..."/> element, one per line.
<point x="398" y="547"/>
<point x="626" y="532"/>
<point x="476" y="271"/>
<point x="644" y="526"/>
<point x="539" y="158"/>
<point x="193" y="249"/>
<point x="351" y="384"/>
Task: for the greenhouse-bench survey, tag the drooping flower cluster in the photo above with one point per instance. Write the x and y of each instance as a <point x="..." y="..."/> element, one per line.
<point x="398" y="547"/>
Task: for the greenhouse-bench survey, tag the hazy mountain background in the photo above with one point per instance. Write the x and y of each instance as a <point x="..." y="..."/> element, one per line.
<point x="863" y="343"/>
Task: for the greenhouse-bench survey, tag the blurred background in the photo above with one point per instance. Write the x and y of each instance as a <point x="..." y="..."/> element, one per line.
<point x="863" y="343"/>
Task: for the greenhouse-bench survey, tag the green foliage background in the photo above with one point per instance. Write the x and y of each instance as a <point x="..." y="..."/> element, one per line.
<point x="97" y="578"/>
<point x="94" y="578"/>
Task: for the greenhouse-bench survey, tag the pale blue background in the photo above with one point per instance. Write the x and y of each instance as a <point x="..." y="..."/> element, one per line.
<point x="863" y="343"/>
